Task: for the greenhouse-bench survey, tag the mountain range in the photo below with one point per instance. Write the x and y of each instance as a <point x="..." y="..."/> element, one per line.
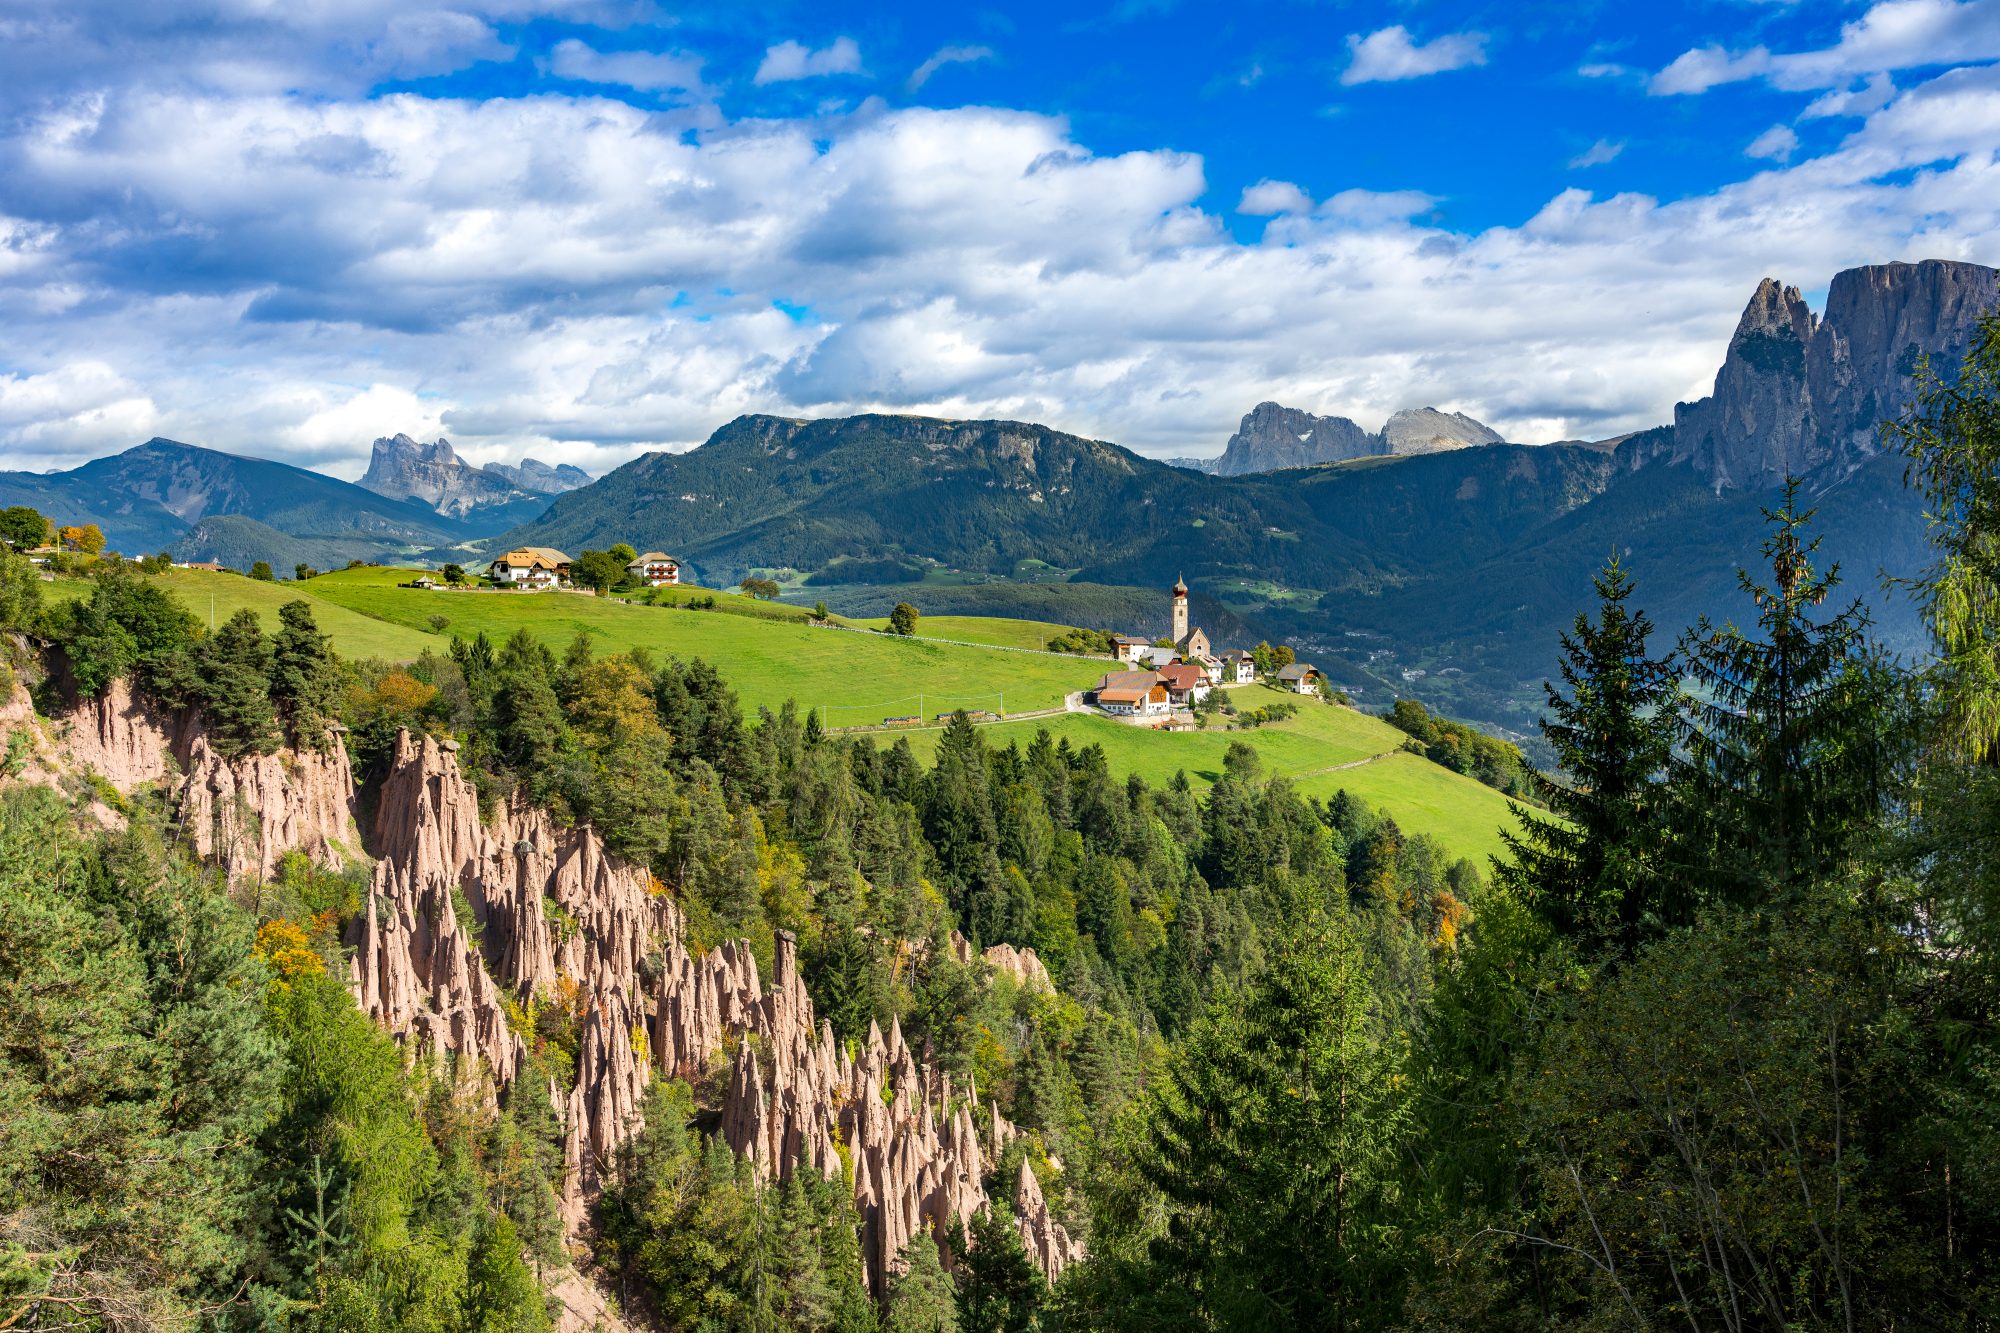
<point x="1428" y="557"/>
<point x="1433" y="560"/>
<point x="204" y="504"/>
<point x="434" y="474"/>
<point x="1273" y="437"/>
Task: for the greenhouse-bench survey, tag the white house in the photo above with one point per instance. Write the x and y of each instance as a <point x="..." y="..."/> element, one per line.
<point x="530" y="567"/>
<point x="1130" y="646"/>
<point x="1302" y="677"/>
<point x="655" y="569"/>
<point x="1238" y="668"/>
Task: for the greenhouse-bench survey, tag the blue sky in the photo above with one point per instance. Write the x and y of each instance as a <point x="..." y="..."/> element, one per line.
<point x="586" y="228"/>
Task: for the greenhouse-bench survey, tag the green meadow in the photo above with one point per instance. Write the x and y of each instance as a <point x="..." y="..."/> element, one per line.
<point x="770" y="653"/>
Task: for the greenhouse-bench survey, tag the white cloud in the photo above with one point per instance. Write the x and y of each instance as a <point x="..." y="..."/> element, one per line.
<point x="1891" y="35"/>
<point x="1870" y="97"/>
<point x="1392" y="54"/>
<point x="1599" y="153"/>
<point x="1268" y="197"/>
<point x="1778" y="143"/>
<point x="583" y="279"/>
<point x="790" y="60"/>
<point x="82" y="406"/>
<point x="945" y="55"/>
<point x="648" y="71"/>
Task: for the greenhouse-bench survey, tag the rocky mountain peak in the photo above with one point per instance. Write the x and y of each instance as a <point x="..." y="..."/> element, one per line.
<point x="1425" y="430"/>
<point x="434" y="474"/>
<point x="1273" y="436"/>
<point x="1799" y="394"/>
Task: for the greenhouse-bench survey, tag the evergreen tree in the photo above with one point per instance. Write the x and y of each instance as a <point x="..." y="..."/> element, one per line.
<point x="921" y="1298"/>
<point x="232" y="684"/>
<point x="1591" y="869"/>
<point x="1952" y="439"/>
<point x="527" y="716"/>
<point x="1273" y="1143"/>
<point x="305" y="677"/>
<point x="999" y="1288"/>
<point x="1788" y="736"/>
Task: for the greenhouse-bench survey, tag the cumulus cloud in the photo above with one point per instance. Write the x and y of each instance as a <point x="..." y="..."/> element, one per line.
<point x="1870" y="97"/>
<point x="1391" y="54"/>
<point x="1891" y="35"/>
<point x="790" y="60"/>
<point x="647" y="71"/>
<point x="1778" y="143"/>
<point x="946" y="55"/>
<point x="1599" y="153"/>
<point x="1268" y="197"/>
<point x="583" y="279"/>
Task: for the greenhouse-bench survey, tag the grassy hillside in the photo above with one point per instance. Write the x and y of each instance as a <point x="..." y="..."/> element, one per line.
<point x="216" y="597"/>
<point x="858" y="677"/>
<point x="1465" y="816"/>
<point x="769" y="654"/>
<point x="980" y="629"/>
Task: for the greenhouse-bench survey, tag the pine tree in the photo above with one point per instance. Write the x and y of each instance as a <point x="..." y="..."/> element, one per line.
<point x="1788" y="736"/>
<point x="1273" y="1144"/>
<point x="921" y="1297"/>
<point x="1952" y="439"/>
<point x="1591" y="869"/>
<point x="305" y="677"/>
<point x="233" y="686"/>
<point x="999" y="1288"/>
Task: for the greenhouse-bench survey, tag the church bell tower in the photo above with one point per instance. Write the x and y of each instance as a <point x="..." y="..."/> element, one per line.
<point x="1180" y="610"/>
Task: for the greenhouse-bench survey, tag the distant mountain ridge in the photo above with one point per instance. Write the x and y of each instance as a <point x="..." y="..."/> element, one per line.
<point x="1273" y="437"/>
<point x="153" y="496"/>
<point x="434" y="474"/>
<point x="1457" y="564"/>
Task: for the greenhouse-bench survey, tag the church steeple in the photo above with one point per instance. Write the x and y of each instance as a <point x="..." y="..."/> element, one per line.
<point x="1180" y="609"/>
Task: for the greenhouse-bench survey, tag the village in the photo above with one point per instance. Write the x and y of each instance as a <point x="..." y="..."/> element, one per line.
<point x="1167" y="684"/>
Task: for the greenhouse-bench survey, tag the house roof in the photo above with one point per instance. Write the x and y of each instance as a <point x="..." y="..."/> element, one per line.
<point x="1123" y="696"/>
<point x="1128" y="680"/>
<point x="1138" y="639"/>
<point x="1183" y="675"/>
<point x="652" y="558"/>
<point x="533" y="557"/>
<point x="1237" y="655"/>
<point x="1297" y="671"/>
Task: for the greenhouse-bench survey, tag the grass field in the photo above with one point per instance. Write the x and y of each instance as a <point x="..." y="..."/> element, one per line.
<point x="980" y="629"/>
<point x="858" y="678"/>
<point x="1464" y="815"/>
<point x="216" y="597"/>
<point x="769" y="654"/>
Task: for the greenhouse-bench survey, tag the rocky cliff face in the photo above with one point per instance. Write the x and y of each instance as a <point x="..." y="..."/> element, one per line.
<point x="433" y="474"/>
<point x="1273" y="437"/>
<point x="1803" y="395"/>
<point x="1425" y="430"/>
<point x="919" y="1146"/>
<point x="242" y="815"/>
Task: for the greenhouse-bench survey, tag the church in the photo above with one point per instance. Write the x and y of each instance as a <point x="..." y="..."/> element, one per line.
<point x="1189" y="642"/>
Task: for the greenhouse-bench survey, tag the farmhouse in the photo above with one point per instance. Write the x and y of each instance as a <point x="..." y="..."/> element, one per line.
<point x="530" y="567"/>
<point x="1186" y="683"/>
<point x="1130" y="646"/>
<point x="1130" y="693"/>
<point x="655" y="570"/>
<point x="1141" y="702"/>
<point x="1301" y="677"/>
<point x="1238" y="668"/>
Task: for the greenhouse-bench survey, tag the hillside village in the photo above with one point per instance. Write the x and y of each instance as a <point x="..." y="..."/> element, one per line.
<point x="1169" y="683"/>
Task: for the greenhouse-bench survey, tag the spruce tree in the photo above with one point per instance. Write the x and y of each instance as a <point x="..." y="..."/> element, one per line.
<point x="999" y="1288"/>
<point x="233" y="687"/>
<point x="1273" y="1144"/>
<point x="1788" y="735"/>
<point x="1952" y="439"/>
<point x="305" y="677"/>
<point x="921" y="1298"/>
<point x="1591" y="870"/>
